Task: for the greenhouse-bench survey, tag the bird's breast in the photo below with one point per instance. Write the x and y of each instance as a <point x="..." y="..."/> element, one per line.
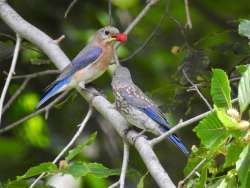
<point x="95" y="69"/>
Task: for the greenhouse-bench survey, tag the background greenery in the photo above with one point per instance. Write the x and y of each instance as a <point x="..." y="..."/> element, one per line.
<point x="213" y="42"/>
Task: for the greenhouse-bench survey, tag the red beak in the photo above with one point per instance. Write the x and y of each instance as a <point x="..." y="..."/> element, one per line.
<point x="121" y="37"/>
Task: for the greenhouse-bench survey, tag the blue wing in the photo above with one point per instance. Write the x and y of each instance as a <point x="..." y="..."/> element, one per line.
<point x="135" y="97"/>
<point x="154" y="114"/>
<point x="84" y="58"/>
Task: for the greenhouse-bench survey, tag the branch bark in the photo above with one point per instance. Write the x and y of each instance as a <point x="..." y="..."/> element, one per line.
<point x="10" y="74"/>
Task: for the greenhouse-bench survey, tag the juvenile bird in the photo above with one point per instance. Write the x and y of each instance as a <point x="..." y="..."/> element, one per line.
<point x="91" y="62"/>
<point x="138" y="109"/>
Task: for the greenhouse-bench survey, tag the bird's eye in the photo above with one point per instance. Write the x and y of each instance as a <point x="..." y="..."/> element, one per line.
<point x="106" y="32"/>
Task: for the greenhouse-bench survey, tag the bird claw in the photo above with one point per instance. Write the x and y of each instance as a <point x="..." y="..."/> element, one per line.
<point x="139" y="135"/>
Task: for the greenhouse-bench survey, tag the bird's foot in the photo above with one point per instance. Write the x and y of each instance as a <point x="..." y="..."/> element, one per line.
<point x="139" y="135"/>
<point x="125" y="132"/>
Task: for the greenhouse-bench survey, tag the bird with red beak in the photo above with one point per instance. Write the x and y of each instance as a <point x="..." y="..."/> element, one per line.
<point x="91" y="62"/>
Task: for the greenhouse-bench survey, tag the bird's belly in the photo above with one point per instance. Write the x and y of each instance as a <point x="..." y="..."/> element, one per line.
<point x="88" y="74"/>
<point x="141" y="121"/>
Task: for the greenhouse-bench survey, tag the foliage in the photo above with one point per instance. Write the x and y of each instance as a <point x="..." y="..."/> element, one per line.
<point x="224" y="136"/>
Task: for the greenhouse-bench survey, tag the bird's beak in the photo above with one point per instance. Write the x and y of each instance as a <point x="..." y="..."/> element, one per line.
<point x="121" y="37"/>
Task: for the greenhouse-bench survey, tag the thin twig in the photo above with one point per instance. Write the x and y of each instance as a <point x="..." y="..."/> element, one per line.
<point x="44" y="109"/>
<point x="150" y="37"/>
<point x="138" y="18"/>
<point x="11" y="72"/>
<point x="36" y="74"/>
<point x="191" y="173"/>
<point x="69" y="145"/>
<point x="197" y="89"/>
<point x="110" y="11"/>
<point x="16" y="94"/>
<point x="188" y="17"/>
<point x="69" y="8"/>
<point x="125" y="160"/>
<point x="124" y="164"/>
<point x="181" y="125"/>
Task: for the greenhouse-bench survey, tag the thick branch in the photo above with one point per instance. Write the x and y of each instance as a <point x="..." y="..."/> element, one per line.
<point x="33" y="34"/>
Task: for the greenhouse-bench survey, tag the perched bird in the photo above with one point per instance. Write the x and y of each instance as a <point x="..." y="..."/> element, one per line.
<point x="138" y="109"/>
<point x="91" y="62"/>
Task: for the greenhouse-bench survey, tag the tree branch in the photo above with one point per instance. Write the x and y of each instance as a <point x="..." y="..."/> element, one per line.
<point x="44" y="109"/>
<point x="194" y="86"/>
<point x="33" y="34"/>
<point x="16" y="94"/>
<point x="11" y="72"/>
<point x="125" y="160"/>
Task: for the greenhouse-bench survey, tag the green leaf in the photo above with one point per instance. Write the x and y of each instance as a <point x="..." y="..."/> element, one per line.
<point x="220" y="89"/>
<point x="202" y="180"/>
<point x="226" y="182"/>
<point x="243" y="167"/>
<point x="36" y="170"/>
<point x="244" y="90"/>
<point x="141" y="182"/>
<point x="211" y="132"/>
<point x="244" y="28"/>
<point x="226" y="120"/>
<point x="125" y="4"/>
<point x="241" y="68"/>
<point x="80" y="169"/>
<point x="101" y="171"/>
<point x="233" y="152"/>
<point x="78" y="149"/>
<point x="17" y="184"/>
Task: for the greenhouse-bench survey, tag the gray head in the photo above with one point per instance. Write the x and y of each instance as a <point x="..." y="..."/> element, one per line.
<point x="107" y="34"/>
<point x="121" y="75"/>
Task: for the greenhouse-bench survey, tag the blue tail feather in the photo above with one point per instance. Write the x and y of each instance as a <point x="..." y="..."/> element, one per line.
<point x="153" y="113"/>
<point x="178" y="142"/>
<point x="53" y="91"/>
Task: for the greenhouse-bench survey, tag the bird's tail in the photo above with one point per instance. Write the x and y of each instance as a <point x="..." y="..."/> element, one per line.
<point x="56" y="88"/>
<point x="173" y="138"/>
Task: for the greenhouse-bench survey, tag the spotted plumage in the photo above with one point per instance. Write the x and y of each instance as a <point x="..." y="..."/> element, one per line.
<point x="139" y="109"/>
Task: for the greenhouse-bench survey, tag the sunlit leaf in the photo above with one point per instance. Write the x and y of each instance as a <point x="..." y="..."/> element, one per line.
<point x="125" y="4"/>
<point x="80" y="169"/>
<point x="78" y="149"/>
<point x="226" y="182"/>
<point x="35" y="131"/>
<point x="141" y="182"/>
<point x="211" y="132"/>
<point x="244" y="28"/>
<point x="244" y="90"/>
<point x="241" y="68"/>
<point x="17" y="184"/>
<point x="36" y="170"/>
<point x="233" y="152"/>
<point x="202" y="180"/>
<point x="220" y="89"/>
<point x="243" y="167"/>
<point x="195" y="158"/>
<point x="101" y="171"/>
<point x="226" y="120"/>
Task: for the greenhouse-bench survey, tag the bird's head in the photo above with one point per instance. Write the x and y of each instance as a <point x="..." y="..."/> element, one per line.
<point x="109" y="34"/>
<point x="121" y="75"/>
